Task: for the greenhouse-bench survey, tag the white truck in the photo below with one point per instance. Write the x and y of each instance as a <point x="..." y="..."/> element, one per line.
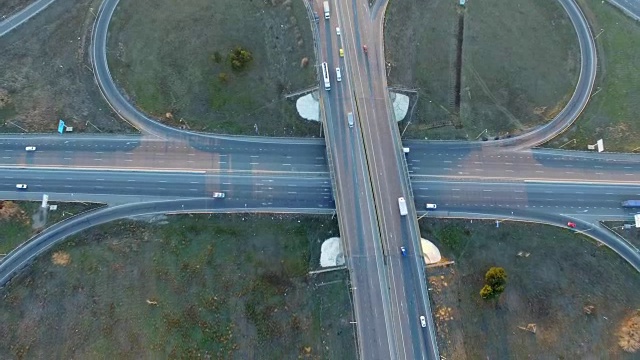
<point x="326" y="10"/>
<point x="402" y="204"/>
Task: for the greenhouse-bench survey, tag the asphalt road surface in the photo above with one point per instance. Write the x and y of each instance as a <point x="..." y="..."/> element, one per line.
<point x="354" y="199"/>
<point x="462" y="170"/>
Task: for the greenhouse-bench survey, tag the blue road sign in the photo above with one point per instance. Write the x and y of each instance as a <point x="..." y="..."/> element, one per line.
<point x="61" y="127"/>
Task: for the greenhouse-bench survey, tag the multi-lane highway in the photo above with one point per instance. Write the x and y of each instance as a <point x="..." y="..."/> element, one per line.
<point x="387" y="173"/>
<point x="359" y="226"/>
<point x="500" y="179"/>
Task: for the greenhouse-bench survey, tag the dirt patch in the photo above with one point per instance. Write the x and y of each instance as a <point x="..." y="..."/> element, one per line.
<point x="181" y="72"/>
<point x="61" y="258"/>
<point x="629" y="334"/>
<point x="499" y="61"/>
<point x="47" y="74"/>
<point x="565" y="297"/>
<point x="221" y="287"/>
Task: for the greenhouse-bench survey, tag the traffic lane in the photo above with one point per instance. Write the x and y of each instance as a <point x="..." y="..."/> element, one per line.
<point x="154" y="154"/>
<point x="228" y="145"/>
<point x="372" y="277"/>
<point x="387" y="173"/>
<point x="304" y="163"/>
<point x="237" y="196"/>
<point x="567" y="198"/>
<point x="521" y="165"/>
<point x="373" y="113"/>
<point x="159" y="184"/>
<point x="410" y="297"/>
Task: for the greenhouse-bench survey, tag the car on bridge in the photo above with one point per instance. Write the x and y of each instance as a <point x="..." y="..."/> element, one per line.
<point x="30" y="148"/>
<point x="403" y="251"/>
<point x="21" y="186"/>
<point x="431" y="206"/>
<point x="218" y="195"/>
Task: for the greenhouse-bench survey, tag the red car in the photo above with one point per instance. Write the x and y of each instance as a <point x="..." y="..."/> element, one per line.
<point x="571" y="224"/>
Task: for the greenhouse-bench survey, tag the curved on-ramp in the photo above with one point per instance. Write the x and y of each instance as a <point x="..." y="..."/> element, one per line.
<point x="23" y="256"/>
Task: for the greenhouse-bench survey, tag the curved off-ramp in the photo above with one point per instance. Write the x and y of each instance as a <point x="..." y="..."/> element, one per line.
<point x="138" y="119"/>
<point x="559" y="124"/>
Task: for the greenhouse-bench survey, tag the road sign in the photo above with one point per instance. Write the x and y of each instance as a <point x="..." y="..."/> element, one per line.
<point x="600" y="144"/>
<point x="45" y="199"/>
<point x="61" y="126"/>
<point x="637" y="217"/>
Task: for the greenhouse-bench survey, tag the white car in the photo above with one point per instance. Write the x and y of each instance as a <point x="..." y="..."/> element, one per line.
<point x="30" y="148"/>
<point x="21" y="186"/>
<point x="218" y="195"/>
<point x="423" y="322"/>
<point x="338" y="75"/>
<point x="431" y="206"/>
<point x="338" y="31"/>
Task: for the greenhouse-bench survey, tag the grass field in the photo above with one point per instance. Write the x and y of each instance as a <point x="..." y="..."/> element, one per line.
<point x="46" y="74"/>
<point x="172" y="57"/>
<point x="20" y="220"/>
<point x="518" y="66"/>
<point x="557" y="276"/>
<point x="219" y="287"/>
<point x="612" y="113"/>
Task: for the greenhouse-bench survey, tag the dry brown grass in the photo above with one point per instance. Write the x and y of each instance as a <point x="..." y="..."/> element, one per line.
<point x="61" y="258"/>
<point x="629" y="334"/>
<point x="11" y="210"/>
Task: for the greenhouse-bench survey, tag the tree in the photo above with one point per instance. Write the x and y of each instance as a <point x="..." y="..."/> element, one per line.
<point x="239" y="58"/>
<point x="486" y="292"/>
<point x="495" y="280"/>
<point x="495" y="277"/>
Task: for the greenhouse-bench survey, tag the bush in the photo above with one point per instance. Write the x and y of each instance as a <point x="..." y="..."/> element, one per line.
<point x="486" y="292"/>
<point x="240" y="58"/>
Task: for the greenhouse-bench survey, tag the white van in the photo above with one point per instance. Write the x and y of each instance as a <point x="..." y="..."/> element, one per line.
<point x="350" y="119"/>
<point x="338" y="75"/>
